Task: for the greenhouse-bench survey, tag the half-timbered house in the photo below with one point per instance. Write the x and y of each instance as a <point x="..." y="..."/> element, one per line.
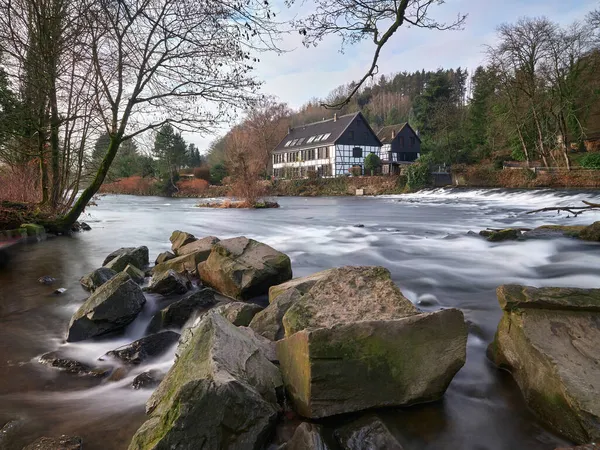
<point x="401" y="145"/>
<point x="331" y="148"/>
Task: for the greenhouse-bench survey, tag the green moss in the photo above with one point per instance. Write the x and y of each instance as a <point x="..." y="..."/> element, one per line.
<point x="32" y="229"/>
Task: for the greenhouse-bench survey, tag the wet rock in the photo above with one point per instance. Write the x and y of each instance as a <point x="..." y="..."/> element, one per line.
<point x="32" y="229"/>
<point x="85" y="227"/>
<point x="239" y="313"/>
<point x="8" y="430"/>
<point x="59" y="361"/>
<point x="119" y="259"/>
<point x="76" y="227"/>
<point x="269" y="322"/>
<point x="201" y="246"/>
<point x="427" y="300"/>
<point x="347" y="294"/>
<point x="145" y="348"/>
<point x="179" y="239"/>
<point x="553" y="232"/>
<point x="46" y="279"/>
<point x="508" y="234"/>
<point x="97" y="278"/>
<point x="308" y="437"/>
<point x="181" y="264"/>
<point x="61" y="443"/>
<point x="148" y="380"/>
<point x="118" y="374"/>
<point x="136" y="274"/>
<point x="367" y="433"/>
<point x="266" y="346"/>
<point x="548" y="339"/>
<point x="591" y="233"/>
<point x="168" y="283"/>
<point x="111" y="307"/>
<point x="163" y="257"/>
<point x="359" y="225"/>
<point x="243" y="268"/>
<point x="177" y="314"/>
<point x="377" y="363"/>
<point x="221" y="381"/>
<point x="60" y="291"/>
<point x="592" y="446"/>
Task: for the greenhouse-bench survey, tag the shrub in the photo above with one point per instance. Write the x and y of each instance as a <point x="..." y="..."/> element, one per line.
<point x="418" y="176"/>
<point x="20" y="183"/>
<point x="135" y="185"/>
<point x="590" y="161"/>
<point x="372" y="163"/>
<point x="202" y="173"/>
<point x="355" y="171"/>
<point x="217" y="174"/>
<point x="192" y="187"/>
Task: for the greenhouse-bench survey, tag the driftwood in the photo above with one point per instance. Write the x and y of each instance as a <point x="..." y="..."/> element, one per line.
<point x="575" y="210"/>
<point x="496" y="230"/>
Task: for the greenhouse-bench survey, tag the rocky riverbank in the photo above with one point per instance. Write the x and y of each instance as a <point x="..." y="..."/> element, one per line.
<point x="344" y="340"/>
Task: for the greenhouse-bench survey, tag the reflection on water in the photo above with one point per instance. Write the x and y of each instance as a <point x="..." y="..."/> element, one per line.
<point x="422" y="238"/>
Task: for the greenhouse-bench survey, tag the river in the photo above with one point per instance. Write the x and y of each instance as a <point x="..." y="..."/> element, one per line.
<point x="421" y="238"/>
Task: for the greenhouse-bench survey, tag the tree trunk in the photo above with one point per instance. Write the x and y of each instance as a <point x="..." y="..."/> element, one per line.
<point x="43" y="169"/>
<point x="54" y="147"/>
<point x="68" y="219"/>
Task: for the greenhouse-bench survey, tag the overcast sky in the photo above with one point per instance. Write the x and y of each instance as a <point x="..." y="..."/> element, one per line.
<point x="304" y="73"/>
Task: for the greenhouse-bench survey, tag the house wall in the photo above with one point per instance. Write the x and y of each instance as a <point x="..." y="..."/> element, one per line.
<point x="345" y="159"/>
<point x="406" y="145"/>
<point x="298" y="168"/>
<point x="358" y="133"/>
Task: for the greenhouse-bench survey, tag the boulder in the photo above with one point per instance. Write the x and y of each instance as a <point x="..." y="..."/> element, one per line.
<point x="201" y="246"/>
<point x="348" y="294"/>
<point x="591" y="232"/>
<point x="269" y="322"/>
<point x="148" y="380"/>
<point x="266" y="346"/>
<point x="221" y="393"/>
<point x="243" y="268"/>
<point x="372" y="364"/>
<point x="85" y="226"/>
<point x="32" y="229"/>
<point x="168" y="283"/>
<point x="181" y="264"/>
<point x="136" y="274"/>
<point x="179" y="239"/>
<point x="368" y="432"/>
<point x="119" y="259"/>
<point x="553" y="231"/>
<point x="62" y="362"/>
<point x="178" y="313"/>
<point x="308" y="436"/>
<point x="97" y="278"/>
<point x="548" y="339"/>
<point x="508" y="234"/>
<point x="145" y="348"/>
<point x="239" y="313"/>
<point x="111" y="307"/>
<point x="61" y="443"/>
<point x="163" y="257"/>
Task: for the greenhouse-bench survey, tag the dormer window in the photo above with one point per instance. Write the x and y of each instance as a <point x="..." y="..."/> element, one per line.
<point x="288" y="143"/>
<point x="326" y="136"/>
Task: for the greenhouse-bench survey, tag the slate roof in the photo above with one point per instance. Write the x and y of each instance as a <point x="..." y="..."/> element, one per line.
<point x="325" y="127"/>
<point x="385" y="134"/>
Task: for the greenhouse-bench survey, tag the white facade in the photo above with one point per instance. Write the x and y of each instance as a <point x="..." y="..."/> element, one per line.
<point x="330" y="161"/>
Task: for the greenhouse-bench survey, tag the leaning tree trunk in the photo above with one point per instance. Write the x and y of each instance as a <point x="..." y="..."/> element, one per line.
<point x="69" y="219"/>
<point x="54" y="147"/>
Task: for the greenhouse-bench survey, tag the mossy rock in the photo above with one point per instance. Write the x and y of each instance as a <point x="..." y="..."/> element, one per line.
<point x="373" y="364"/>
<point x="591" y="232"/>
<point x="548" y="339"/>
<point x="32" y="229"/>
<point x="508" y="234"/>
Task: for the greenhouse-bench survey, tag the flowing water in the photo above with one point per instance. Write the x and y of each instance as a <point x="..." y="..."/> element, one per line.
<point x="421" y="238"/>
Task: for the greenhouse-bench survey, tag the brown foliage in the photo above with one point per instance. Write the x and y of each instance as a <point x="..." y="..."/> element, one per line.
<point x="135" y="185"/>
<point x="192" y="188"/>
<point x="20" y="183"/>
<point x="202" y="173"/>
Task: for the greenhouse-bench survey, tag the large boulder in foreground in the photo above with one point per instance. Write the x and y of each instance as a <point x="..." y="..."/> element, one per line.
<point x="181" y="264"/>
<point x="243" y="268"/>
<point x="373" y="364"/>
<point x="548" y="338"/>
<point x="219" y="394"/>
<point x="239" y="313"/>
<point x="308" y="436"/>
<point x="178" y="313"/>
<point x="97" y="278"/>
<point x="269" y="322"/>
<point x="111" y="307"/>
<point x="119" y="259"/>
<point x="201" y="246"/>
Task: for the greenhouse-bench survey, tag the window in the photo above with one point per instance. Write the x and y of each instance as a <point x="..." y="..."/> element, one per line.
<point x="322" y="152"/>
<point x="310" y="139"/>
<point x="401" y="141"/>
<point x="412" y="141"/>
<point x="357" y="152"/>
<point x="288" y="143"/>
<point x="318" y="138"/>
<point x="351" y="134"/>
<point x="300" y="141"/>
<point x="326" y="136"/>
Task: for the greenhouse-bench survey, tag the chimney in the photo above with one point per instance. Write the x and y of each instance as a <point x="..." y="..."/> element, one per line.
<point x="393" y="134"/>
<point x="335" y="117"/>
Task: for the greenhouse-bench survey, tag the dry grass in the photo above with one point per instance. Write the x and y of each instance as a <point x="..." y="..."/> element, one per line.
<point x="20" y="184"/>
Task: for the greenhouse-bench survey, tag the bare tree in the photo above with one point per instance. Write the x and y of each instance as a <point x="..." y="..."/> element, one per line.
<point x="376" y="20"/>
<point x="182" y="62"/>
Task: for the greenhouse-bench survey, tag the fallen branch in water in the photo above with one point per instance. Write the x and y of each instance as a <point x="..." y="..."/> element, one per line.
<point x="575" y="210"/>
